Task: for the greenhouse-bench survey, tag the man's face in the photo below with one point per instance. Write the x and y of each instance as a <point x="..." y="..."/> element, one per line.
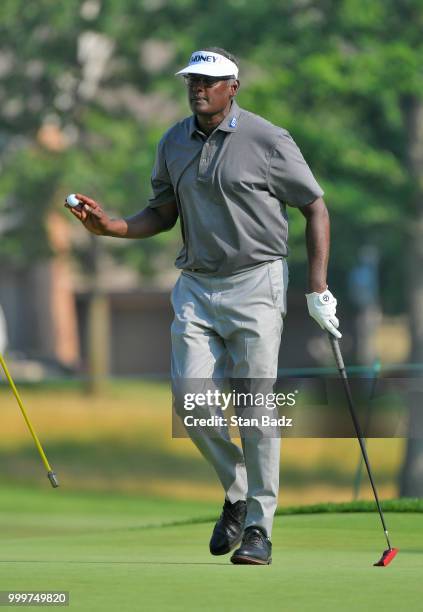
<point x="210" y="95"/>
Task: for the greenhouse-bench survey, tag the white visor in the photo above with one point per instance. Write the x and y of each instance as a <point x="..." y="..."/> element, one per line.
<point x="210" y="64"/>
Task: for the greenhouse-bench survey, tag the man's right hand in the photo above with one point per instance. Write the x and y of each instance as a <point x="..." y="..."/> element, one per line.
<point x="91" y="215"/>
<point x="148" y="222"/>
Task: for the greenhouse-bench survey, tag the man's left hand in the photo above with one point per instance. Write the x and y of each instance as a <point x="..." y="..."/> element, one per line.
<point x="322" y="308"/>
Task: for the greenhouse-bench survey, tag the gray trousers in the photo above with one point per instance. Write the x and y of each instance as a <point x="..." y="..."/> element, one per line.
<point x="231" y="326"/>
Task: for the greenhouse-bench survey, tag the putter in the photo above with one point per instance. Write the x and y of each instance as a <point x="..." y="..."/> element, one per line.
<point x="50" y="474"/>
<point x="390" y="552"/>
<point x="358" y="475"/>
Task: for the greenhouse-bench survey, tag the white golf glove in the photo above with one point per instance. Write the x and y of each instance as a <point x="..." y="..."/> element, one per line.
<point x="322" y="308"/>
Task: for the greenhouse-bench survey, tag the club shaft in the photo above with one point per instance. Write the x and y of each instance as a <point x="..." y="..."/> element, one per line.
<point x="341" y="367"/>
<point x="25" y="416"/>
<point x="357" y="479"/>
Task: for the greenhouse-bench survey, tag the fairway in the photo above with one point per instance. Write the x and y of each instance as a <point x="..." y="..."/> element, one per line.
<point x="121" y="440"/>
<point x="126" y="553"/>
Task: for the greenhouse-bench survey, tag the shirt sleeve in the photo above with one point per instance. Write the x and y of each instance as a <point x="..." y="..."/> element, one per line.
<point x="161" y="184"/>
<point x="289" y="177"/>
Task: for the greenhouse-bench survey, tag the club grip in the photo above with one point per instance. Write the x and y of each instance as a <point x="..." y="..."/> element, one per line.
<point x="53" y="479"/>
<point x="336" y="351"/>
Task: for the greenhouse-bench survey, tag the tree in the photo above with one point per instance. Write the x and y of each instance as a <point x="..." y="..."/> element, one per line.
<point x="412" y="471"/>
<point x="78" y="113"/>
<point x="344" y="76"/>
<point x="100" y="71"/>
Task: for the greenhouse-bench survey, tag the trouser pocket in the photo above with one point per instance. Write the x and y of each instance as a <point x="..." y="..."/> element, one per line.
<point x="278" y="281"/>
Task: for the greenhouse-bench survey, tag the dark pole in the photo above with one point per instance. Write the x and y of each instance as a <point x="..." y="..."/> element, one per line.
<point x="341" y="367"/>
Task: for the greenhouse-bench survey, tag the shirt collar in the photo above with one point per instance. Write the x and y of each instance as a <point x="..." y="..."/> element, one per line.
<point x="229" y="124"/>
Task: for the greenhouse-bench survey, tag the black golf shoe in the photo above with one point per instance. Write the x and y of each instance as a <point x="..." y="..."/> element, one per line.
<point x="255" y="549"/>
<point x="227" y="532"/>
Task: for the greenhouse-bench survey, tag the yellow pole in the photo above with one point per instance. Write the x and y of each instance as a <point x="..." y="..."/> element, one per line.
<point x="50" y="474"/>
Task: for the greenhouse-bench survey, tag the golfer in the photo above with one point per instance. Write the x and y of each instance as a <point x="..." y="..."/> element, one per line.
<point x="228" y="175"/>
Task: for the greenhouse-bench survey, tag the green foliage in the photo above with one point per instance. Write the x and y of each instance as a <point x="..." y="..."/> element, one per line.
<point x="335" y="73"/>
<point x="28" y="179"/>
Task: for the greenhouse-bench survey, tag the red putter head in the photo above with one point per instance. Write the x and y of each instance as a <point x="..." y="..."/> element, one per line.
<point x="387" y="557"/>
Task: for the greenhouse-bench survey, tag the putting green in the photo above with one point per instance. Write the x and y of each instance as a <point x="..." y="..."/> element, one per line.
<point x="112" y="553"/>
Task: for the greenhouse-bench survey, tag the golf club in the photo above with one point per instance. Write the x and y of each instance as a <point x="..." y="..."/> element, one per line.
<point x="390" y="552"/>
<point x="50" y="474"/>
<point x="358" y="476"/>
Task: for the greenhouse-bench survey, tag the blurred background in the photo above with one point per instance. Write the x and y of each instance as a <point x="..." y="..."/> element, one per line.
<point x="86" y="91"/>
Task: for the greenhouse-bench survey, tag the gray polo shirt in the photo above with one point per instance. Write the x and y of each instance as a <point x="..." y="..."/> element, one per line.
<point x="231" y="190"/>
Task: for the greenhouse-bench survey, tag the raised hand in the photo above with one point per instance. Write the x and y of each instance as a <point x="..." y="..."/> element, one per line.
<point x="91" y="215"/>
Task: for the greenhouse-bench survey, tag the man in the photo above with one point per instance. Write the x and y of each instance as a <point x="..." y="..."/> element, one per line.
<point x="228" y="174"/>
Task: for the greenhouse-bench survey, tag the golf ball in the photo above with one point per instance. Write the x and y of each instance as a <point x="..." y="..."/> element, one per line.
<point x="72" y="200"/>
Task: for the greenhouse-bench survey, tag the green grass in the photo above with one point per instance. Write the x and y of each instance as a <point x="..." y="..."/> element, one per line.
<point x="143" y="458"/>
<point x="125" y="553"/>
<point x="391" y="505"/>
<point x="122" y="440"/>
